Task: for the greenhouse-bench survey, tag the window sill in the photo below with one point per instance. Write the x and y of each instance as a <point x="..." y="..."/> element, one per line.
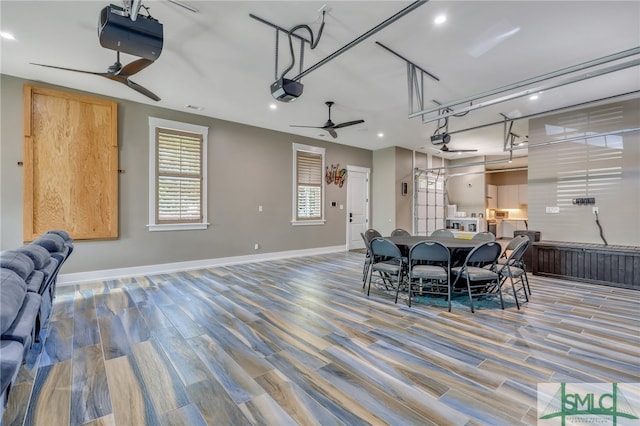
<point x="308" y="222"/>
<point x="177" y="227"/>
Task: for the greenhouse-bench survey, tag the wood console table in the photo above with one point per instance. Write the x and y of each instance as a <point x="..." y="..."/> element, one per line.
<point x="617" y="266"/>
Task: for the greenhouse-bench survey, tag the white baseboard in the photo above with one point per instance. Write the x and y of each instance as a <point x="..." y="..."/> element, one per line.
<point x="136" y="271"/>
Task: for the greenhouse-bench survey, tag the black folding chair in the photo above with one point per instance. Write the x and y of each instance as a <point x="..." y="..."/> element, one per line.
<point x="511" y="269"/>
<point x="368" y="235"/>
<point x="399" y="232"/>
<point x="479" y="273"/>
<point x="429" y="261"/>
<point x="387" y="260"/>
<point x="519" y="261"/>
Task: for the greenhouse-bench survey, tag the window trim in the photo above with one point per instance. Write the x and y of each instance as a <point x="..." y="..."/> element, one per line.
<point x="294" y="204"/>
<point x="154" y="124"/>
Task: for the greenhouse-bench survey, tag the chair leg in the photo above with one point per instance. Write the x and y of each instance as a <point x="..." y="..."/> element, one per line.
<point x="515" y="294"/>
<point x="370" y="276"/>
<point x="365" y="271"/>
<point x="470" y="297"/>
<point x="526" y="279"/>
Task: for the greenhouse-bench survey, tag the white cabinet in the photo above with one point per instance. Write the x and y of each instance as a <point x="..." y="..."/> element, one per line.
<point x="508" y="197"/>
<point x="507" y="226"/>
<point x="512" y="196"/>
<point x="466" y="226"/>
<point x="492" y="197"/>
<point x="523" y="194"/>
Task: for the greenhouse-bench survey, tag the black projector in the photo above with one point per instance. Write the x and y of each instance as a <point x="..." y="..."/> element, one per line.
<point x="142" y="37"/>
<point x="440" y="138"/>
<point x="286" y="90"/>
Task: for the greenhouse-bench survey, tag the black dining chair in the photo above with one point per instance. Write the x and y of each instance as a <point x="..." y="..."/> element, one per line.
<point x="387" y="260"/>
<point x="478" y="272"/>
<point x="399" y="232"/>
<point x="443" y="233"/>
<point x="484" y="236"/>
<point x="429" y="261"/>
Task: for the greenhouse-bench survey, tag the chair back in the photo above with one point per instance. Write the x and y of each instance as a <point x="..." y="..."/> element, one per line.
<point x="485" y="254"/>
<point x="370" y="234"/>
<point x="484" y="236"/>
<point x="513" y="243"/>
<point x="384" y="248"/>
<point x="518" y="252"/>
<point x="443" y="233"/>
<point x="429" y="251"/>
<point x="399" y="232"/>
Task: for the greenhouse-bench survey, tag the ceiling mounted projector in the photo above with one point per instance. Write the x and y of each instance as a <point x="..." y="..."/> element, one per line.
<point x="286" y="90"/>
<point x="142" y="37"/>
<point x="440" y="138"/>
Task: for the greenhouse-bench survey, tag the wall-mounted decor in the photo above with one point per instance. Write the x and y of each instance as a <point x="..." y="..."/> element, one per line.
<point x="335" y="174"/>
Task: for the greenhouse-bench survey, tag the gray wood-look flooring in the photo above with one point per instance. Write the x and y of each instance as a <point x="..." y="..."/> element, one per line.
<point x="297" y="341"/>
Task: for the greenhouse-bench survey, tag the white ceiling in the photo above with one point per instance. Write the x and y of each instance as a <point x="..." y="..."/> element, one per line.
<point x="222" y="60"/>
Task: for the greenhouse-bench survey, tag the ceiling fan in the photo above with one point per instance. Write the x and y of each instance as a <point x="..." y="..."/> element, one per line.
<point x="330" y="126"/>
<point x="119" y="73"/>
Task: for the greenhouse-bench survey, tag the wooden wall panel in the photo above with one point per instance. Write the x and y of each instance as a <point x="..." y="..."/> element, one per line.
<point x="594" y="263"/>
<point x="70" y="164"/>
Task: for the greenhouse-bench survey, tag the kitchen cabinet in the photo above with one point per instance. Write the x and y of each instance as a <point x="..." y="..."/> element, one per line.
<point x="508" y="197"/>
<point x="523" y="194"/>
<point x="492" y="196"/>
<point x="512" y="196"/>
<point x="508" y="226"/>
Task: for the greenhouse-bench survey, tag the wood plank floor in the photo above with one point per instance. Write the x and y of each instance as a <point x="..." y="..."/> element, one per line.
<point x="297" y="341"/>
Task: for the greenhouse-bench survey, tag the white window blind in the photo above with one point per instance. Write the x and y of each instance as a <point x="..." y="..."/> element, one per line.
<point x="178" y="196"/>
<point x="308" y="185"/>
<point x="179" y="162"/>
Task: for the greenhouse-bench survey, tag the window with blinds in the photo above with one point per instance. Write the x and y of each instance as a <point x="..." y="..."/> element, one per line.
<point x="178" y="175"/>
<point x="308" y="185"/>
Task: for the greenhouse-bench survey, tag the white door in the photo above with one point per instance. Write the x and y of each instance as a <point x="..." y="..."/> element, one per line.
<point x="357" y="205"/>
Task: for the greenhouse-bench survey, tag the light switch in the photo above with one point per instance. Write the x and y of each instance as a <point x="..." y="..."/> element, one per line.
<point x="259" y="208"/>
<point x="341" y="206"/>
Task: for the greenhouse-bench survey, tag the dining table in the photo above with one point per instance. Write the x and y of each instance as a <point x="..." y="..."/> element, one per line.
<point x="458" y="247"/>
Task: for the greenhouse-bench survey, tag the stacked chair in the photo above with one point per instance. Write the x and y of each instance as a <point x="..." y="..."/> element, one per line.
<point x="27" y="288"/>
<point x="368" y="235"/>
<point x="510" y="266"/>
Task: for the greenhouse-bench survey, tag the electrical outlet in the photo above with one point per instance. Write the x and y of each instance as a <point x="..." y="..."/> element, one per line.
<point x="552" y="209"/>
<point x="595" y="210"/>
<point x="256" y="246"/>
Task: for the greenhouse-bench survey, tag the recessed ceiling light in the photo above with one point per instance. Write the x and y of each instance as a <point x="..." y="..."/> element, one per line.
<point x="7" y="35"/>
<point x="533" y="97"/>
<point x="273" y="106"/>
<point x="440" y="19"/>
<point x="381" y="135"/>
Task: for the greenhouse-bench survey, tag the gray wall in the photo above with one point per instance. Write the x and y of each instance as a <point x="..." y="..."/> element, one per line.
<point x="404" y="203"/>
<point x="608" y="170"/>
<point x="248" y="166"/>
<point x="383" y="189"/>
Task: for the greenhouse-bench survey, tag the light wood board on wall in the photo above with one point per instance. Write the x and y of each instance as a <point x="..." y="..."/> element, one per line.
<point x="70" y="164"/>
